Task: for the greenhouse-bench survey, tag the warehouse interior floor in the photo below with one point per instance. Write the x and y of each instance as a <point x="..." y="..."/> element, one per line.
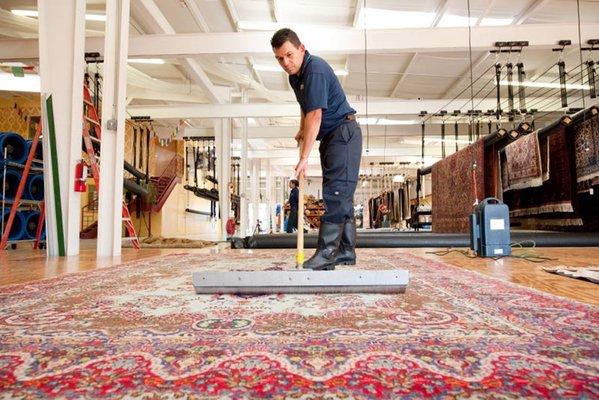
<point x="134" y="327"/>
<point x="23" y="265"/>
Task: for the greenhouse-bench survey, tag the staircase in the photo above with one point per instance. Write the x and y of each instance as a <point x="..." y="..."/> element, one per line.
<point x="89" y="220"/>
<point x="166" y="182"/>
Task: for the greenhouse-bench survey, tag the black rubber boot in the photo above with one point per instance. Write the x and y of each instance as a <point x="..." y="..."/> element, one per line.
<point x="329" y="236"/>
<point x="347" y="246"/>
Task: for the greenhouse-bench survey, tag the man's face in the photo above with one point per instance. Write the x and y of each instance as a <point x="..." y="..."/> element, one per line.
<point x="290" y="58"/>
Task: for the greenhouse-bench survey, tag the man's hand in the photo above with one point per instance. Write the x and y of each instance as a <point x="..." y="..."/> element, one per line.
<point x="301" y="167"/>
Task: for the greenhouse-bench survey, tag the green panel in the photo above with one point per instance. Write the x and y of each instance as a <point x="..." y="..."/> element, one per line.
<point x="55" y="176"/>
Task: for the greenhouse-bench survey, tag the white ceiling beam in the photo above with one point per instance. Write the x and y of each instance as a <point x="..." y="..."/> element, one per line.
<point x="404" y="150"/>
<point x="438" y="16"/>
<point x="276" y="12"/>
<point x="404" y="75"/>
<point x="465" y="74"/>
<point x="149" y="94"/>
<point x="485" y="12"/>
<point x="533" y="7"/>
<point x="288" y="132"/>
<point x="150" y="11"/>
<point x="234" y="19"/>
<point x="232" y="12"/>
<point x="440" y="12"/>
<point x="234" y="76"/>
<point x="196" y="14"/>
<point x="26" y="27"/>
<point x="357" y="10"/>
<point x="331" y="41"/>
<point x="259" y="110"/>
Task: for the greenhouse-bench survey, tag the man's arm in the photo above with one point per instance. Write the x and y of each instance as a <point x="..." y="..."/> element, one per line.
<point x="311" y="127"/>
<point x="300" y="134"/>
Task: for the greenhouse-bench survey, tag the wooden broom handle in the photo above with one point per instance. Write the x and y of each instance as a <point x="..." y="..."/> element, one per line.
<point x="300" y="215"/>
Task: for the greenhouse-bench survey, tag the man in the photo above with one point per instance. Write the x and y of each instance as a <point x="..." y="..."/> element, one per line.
<point x="293" y="204"/>
<point x="325" y="116"/>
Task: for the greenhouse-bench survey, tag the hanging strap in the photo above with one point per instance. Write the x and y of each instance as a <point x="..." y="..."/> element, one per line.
<point x="510" y="90"/>
<point x="498" y="84"/>
<point x="455" y="129"/>
<point x="443" y="139"/>
<point x="422" y="152"/>
<point x="562" y="83"/>
<point x="521" y="88"/>
<point x="592" y="82"/>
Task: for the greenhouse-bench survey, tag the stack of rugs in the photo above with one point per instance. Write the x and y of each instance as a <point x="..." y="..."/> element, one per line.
<point x="549" y="182"/>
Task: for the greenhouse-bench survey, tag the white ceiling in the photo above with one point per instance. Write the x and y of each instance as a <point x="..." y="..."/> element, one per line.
<point x="391" y="76"/>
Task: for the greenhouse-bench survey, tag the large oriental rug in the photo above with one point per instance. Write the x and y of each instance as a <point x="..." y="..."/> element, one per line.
<point x="455" y="190"/>
<point x="526" y="162"/>
<point x="139" y="331"/>
<point x="586" y="143"/>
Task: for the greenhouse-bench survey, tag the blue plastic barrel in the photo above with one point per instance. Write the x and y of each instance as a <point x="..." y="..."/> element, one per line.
<point x="35" y="187"/>
<point x="39" y="152"/>
<point x="13" y="177"/>
<point x="31" y="221"/>
<point x="15" y="145"/>
<point x="17" y="231"/>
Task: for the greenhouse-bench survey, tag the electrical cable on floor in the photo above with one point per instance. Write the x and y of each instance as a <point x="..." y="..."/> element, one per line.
<point x="442" y="253"/>
<point x="528" y="256"/>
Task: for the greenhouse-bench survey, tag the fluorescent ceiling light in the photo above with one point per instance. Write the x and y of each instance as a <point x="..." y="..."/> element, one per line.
<point x="13" y="64"/>
<point x="276" y="68"/>
<point x="145" y="61"/>
<point x="95" y="17"/>
<point x="375" y="18"/>
<point x="548" y="85"/>
<point x="449" y="21"/>
<point x="496" y="21"/>
<point x="399" y="178"/>
<point x="34" y="14"/>
<point x="27" y="83"/>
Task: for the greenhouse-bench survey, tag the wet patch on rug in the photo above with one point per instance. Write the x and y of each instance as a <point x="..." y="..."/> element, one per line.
<point x="139" y="331"/>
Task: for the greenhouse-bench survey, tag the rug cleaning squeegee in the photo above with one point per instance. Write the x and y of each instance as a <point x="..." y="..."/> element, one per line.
<point x="293" y="281"/>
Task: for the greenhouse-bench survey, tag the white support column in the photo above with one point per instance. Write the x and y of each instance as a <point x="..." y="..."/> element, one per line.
<point x="243" y="217"/>
<point x="61" y="52"/>
<point x="113" y="137"/>
<point x="223" y="163"/>
<point x="254" y="189"/>
<point x="270" y="203"/>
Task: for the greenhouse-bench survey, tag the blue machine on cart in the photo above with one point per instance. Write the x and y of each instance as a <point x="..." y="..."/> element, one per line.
<point x="490" y="229"/>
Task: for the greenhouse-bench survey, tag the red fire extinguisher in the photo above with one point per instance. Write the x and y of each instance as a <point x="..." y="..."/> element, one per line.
<point x="80" y="176"/>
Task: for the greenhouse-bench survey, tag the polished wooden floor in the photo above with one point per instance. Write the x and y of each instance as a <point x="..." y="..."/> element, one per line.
<point x="25" y="265"/>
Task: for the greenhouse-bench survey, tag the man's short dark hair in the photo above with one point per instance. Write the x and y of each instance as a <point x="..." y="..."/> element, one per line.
<point x="295" y="182"/>
<point x="283" y="35"/>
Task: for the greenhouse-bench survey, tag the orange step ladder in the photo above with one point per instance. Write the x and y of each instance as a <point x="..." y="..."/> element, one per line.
<point x="91" y="122"/>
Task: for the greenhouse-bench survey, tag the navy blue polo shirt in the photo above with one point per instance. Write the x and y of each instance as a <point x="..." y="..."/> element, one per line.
<point x="294" y="198"/>
<point x="316" y="86"/>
